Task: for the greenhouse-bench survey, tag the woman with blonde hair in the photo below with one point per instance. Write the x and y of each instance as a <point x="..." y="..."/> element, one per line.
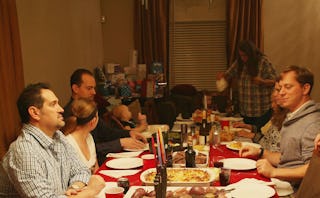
<point x="78" y="127"/>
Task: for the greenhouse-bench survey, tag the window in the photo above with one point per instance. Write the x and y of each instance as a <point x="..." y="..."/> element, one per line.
<point x="197" y="44"/>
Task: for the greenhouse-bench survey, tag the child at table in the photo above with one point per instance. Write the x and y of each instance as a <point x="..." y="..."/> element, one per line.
<point x="122" y="118"/>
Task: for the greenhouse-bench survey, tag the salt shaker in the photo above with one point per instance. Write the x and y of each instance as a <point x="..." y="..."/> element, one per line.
<point x="216" y="134"/>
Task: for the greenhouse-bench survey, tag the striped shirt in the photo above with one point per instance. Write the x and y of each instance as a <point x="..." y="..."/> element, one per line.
<point x="39" y="166"/>
<point x="254" y="100"/>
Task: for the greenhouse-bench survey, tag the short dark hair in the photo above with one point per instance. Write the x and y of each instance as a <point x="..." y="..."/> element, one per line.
<point x="30" y="96"/>
<point x="303" y="75"/>
<point x="76" y="77"/>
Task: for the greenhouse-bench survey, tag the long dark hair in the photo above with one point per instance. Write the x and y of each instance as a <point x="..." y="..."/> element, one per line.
<point x="254" y="56"/>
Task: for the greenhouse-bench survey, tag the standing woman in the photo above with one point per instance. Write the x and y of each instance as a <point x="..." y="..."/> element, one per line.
<point x="256" y="77"/>
<point x="78" y="127"/>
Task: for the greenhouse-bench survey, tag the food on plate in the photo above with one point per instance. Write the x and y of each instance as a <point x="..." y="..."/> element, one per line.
<point x="226" y="136"/>
<point x="245" y="133"/>
<point x="179" y="158"/>
<point x="235" y="145"/>
<point x="196" y="191"/>
<point x="181" y="175"/>
<point x="197" y="115"/>
<point x="201" y="147"/>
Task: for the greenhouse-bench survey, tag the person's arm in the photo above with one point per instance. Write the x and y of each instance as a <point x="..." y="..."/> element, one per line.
<point x="95" y="185"/>
<point x="103" y="133"/>
<point x="268" y="74"/>
<point x="317" y="143"/>
<point x="290" y="174"/>
<point x="103" y="148"/>
<point x="265" y="168"/>
<point x="260" y="153"/>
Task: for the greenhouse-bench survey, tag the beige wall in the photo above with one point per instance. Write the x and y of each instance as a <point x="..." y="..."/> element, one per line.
<point x="58" y="36"/>
<point x="292" y="35"/>
<point x="117" y="30"/>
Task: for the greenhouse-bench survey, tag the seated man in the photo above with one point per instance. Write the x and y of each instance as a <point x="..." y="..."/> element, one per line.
<point x="41" y="163"/>
<point x="298" y="130"/>
<point x="107" y="139"/>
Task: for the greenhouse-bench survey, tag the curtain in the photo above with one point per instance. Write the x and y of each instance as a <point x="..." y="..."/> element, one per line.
<point x="151" y="32"/>
<point x="243" y="23"/>
<point x="11" y="74"/>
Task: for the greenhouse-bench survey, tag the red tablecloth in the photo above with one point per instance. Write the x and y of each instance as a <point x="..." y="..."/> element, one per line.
<point x="220" y="153"/>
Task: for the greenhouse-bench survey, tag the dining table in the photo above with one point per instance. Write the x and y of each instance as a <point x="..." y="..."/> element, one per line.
<point x="215" y="153"/>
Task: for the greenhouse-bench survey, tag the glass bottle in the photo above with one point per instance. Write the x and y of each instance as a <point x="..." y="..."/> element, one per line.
<point x="203" y="131"/>
<point x="193" y="137"/>
<point x="190" y="155"/>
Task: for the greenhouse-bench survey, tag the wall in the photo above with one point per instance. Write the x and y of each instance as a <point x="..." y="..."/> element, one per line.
<point x="292" y="35"/>
<point x="57" y="37"/>
<point x="118" y="35"/>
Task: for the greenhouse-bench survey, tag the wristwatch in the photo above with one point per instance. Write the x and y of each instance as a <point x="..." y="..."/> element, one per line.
<point x="75" y="187"/>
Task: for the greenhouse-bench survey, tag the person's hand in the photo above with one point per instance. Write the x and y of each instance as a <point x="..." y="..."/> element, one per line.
<point x="242" y="125"/>
<point x="131" y="143"/>
<point x="265" y="168"/>
<point x="246" y="134"/>
<point x="317" y="143"/>
<point x="142" y="118"/>
<point x="96" y="183"/>
<point x="135" y="134"/>
<point x="257" y="80"/>
<point x="220" y="75"/>
<point x="72" y="191"/>
<point x="249" y="151"/>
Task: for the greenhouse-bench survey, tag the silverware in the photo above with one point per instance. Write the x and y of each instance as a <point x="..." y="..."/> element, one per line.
<point x="213" y="146"/>
<point x="227" y="190"/>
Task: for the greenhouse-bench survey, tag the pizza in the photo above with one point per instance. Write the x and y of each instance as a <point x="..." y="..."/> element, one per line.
<point x="235" y="145"/>
<point x="181" y="175"/>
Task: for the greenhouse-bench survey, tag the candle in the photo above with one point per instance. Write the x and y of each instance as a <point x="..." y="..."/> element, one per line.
<point x="162" y="146"/>
<point x="154" y="149"/>
<point x="158" y="148"/>
<point x="205" y="102"/>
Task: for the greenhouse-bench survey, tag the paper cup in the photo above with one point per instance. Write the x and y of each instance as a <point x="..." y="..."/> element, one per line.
<point x="221" y="84"/>
<point x="114" y="192"/>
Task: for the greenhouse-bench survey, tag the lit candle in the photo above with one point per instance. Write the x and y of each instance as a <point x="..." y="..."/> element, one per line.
<point x="154" y="150"/>
<point x="163" y="152"/>
<point x="205" y="102"/>
<point x="158" y="148"/>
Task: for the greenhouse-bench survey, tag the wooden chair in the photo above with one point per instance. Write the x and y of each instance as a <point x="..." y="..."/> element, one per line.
<point x="309" y="187"/>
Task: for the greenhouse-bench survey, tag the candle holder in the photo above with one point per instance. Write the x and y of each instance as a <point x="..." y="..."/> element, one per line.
<point x="160" y="181"/>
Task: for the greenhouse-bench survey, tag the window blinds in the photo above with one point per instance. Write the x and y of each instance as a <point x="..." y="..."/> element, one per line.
<point x="197" y="52"/>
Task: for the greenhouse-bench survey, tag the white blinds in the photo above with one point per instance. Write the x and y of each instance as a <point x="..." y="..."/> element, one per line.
<point x="197" y="52"/>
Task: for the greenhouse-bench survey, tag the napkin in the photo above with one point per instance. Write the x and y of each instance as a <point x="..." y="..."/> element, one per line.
<point x="119" y="173"/>
<point x="283" y="188"/>
<point x="248" y="181"/>
<point x="124" y="154"/>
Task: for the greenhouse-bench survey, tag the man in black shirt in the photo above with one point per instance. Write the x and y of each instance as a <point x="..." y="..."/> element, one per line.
<point x="107" y="139"/>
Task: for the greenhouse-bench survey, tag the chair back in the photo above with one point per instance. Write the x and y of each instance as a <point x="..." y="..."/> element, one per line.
<point x="309" y="187"/>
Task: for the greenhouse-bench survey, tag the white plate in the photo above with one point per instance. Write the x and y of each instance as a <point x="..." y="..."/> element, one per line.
<point x="147" y="156"/>
<point x="253" y="191"/>
<point x="125" y="163"/>
<point x="142" y="149"/>
<point x="230" y="145"/>
<point x="239" y="163"/>
<point x="132" y="189"/>
<point x="124" y="154"/>
<point x="212" y="176"/>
